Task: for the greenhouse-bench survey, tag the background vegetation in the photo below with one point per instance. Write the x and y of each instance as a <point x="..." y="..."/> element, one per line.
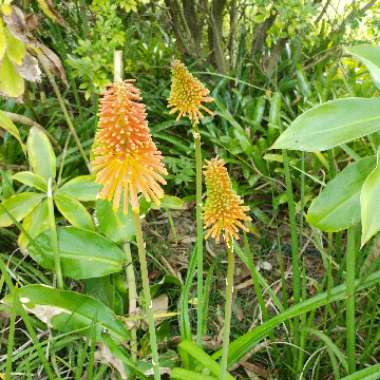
<point x="265" y="63"/>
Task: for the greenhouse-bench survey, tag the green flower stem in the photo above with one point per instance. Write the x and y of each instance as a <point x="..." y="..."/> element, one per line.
<point x="146" y="290"/>
<point x="350" y="300"/>
<point x="132" y="295"/>
<point x="199" y="231"/>
<point x="228" y="309"/>
<point x="53" y="235"/>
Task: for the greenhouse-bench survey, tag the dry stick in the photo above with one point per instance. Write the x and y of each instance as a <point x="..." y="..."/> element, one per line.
<point x="228" y="309"/>
<point x="148" y="305"/>
<point x="63" y="108"/>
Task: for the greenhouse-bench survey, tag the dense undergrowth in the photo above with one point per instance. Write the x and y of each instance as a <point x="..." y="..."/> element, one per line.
<point x="265" y="64"/>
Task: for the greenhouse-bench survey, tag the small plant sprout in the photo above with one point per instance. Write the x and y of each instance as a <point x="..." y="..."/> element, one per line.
<point x="187" y="97"/>
<point x="127" y="163"/>
<point x="224" y="215"/>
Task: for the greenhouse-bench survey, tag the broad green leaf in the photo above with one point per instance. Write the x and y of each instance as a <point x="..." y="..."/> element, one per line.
<point x="245" y="343"/>
<point x="3" y="40"/>
<point x="16" y="49"/>
<point x="331" y="124"/>
<point x="84" y="188"/>
<point x="370" y="56"/>
<point x="34" y="224"/>
<point x="83" y="253"/>
<point x="370" y="201"/>
<point x="32" y="180"/>
<point x="7" y="124"/>
<point x="19" y="206"/>
<point x="66" y="311"/>
<point x="11" y="83"/>
<point x="73" y="211"/>
<point x="338" y="205"/>
<point x="115" y="225"/>
<point x="41" y="155"/>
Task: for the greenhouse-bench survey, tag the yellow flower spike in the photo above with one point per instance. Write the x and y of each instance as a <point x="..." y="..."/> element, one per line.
<point x="187" y="94"/>
<point x="125" y="158"/>
<point x="224" y="213"/>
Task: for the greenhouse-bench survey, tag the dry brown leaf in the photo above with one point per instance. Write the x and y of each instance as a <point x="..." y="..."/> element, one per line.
<point x="104" y="355"/>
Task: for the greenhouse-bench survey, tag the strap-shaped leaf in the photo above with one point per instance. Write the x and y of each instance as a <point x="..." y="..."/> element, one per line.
<point x="83" y="253"/>
<point x="67" y="311"/>
<point x="331" y="124"/>
<point x="41" y="155"/>
<point x="19" y="206"/>
<point x="338" y="206"/>
<point x="370" y="56"/>
<point x="74" y="211"/>
<point x="370" y="201"/>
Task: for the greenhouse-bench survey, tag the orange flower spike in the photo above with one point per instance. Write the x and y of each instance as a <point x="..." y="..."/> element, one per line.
<point x="125" y="158"/>
<point x="187" y="94"/>
<point x="224" y="212"/>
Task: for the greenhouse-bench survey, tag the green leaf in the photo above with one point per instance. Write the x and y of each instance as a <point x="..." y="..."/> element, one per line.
<point x="83" y="253"/>
<point x="170" y="202"/>
<point x="11" y="83"/>
<point x="245" y="343"/>
<point x="32" y="180"/>
<point x="370" y="201"/>
<point x="16" y="49"/>
<point x="331" y="124"/>
<point x="338" y="206"/>
<point x="115" y="225"/>
<point x="3" y="40"/>
<point x="19" y="206"/>
<point x="67" y="311"/>
<point x="370" y="373"/>
<point x="202" y="357"/>
<point x="34" y="224"/>
<point x="370" y="56"/>
<point x="83" y="188"/>
<point x="73" y="211"/>
<point x="7" y="124"/>
<point x="184" y="374"/>
<point x="41" y="154"/>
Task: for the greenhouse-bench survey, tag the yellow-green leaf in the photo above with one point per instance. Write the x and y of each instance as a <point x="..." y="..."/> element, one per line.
<point x="34" y="224"/>
<point x="41" y="155"/>
<point x="3" y="40"/>
<point x="7" y="124"/>
<point x="369" y="202"/>
<point x="19" y="206"/>
<point x="32" y="180"/>
<point x="11" y="83"/>
<point x="16" y="49"/>
<point x="73" y="211"/>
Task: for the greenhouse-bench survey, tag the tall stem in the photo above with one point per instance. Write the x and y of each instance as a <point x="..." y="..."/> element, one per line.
<point x="53" y="235"/>
<point x="132" y="295"/>
<point x="228" y="309"/>
<point x="350" y="301"/>
<point x="199" y="229"/>
<point x="148" y="306"/>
